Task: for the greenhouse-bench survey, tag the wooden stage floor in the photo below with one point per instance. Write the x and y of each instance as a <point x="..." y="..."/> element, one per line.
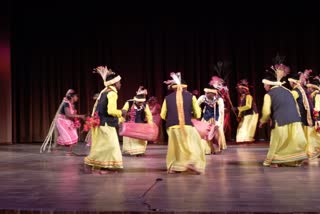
<point x="235" y="181"/>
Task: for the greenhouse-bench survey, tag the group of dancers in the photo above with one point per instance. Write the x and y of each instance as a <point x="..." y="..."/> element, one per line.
<point x="291" y="107"/>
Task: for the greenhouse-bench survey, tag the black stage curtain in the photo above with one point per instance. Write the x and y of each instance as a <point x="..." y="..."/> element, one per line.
<point x="54" y="48"/>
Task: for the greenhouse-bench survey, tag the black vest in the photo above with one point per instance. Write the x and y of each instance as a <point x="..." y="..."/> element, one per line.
<point x="283" y="107"/>
<point x="139" y="116"/>
<point x="102" y="110"/>
<point x="210" y="112"/>
<point x="249" y="111"/>
<point x="172" y="112"/>
<point x="302" y="110"/>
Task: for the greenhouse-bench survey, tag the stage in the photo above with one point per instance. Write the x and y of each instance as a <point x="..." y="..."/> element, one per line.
<point x="235" y="181"/>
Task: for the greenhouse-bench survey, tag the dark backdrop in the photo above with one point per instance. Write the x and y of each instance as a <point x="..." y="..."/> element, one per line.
<point x="5" y="76"/>
<point x="55" y="47"/>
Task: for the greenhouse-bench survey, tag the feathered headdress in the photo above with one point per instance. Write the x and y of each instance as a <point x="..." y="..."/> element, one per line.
<point x="108" y="76"/>
<point x="175" y="81"/>
<point x="216" y="82"/>
<point x="277" y="60"/>
<point x="278" y="71"/>
<point x="222" y="70"/>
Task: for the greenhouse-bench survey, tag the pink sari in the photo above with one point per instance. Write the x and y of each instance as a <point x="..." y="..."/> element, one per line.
<point x="66" y="129"/>
<point x="155" y="111"/>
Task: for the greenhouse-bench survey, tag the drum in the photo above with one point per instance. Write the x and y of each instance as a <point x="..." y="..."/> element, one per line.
<point x="141" y="131"/>
<point x="202" y="127"/>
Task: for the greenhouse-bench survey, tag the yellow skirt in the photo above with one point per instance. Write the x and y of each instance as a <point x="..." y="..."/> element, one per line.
<point x="287" y="145"/>
<point x="132" y="146"/>
<point x="221" y="140"/>
<point x="313" y="141"/>
<point x="105" y="149"/>
<point x="247" y="128"/>
<point x="186" y="153"/>
<point x="207" y="146"/>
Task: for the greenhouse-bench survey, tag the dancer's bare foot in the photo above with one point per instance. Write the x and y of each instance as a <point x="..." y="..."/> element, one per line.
<point x="96" y="172"/>
<point x="173" y="172"/>
<point x="69" y="154"/>
<point x="194" y="170"/>
<point x="104" y="172"/>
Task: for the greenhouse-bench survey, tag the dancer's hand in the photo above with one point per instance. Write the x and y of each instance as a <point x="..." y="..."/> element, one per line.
<point x="235" y="109"/>
<point x="261" y="125"/>
<point x="123" y="113"/>
<point x="82" y="116"/>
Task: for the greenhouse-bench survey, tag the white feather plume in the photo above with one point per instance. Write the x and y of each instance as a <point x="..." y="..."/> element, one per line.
<point x="103" y="71"/>
<point x="176" y="77"/>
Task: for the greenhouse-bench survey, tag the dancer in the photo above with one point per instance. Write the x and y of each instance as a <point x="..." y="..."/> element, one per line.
<point x="247" y="114"/>
<point x="305" y="108"/>
<point x="66" y="123"/>
<point x="287" y="141"/>
<point x="213" y="113"/>
<point x="137" y="112"/>
<point x="222" y="69"/>
<point x="105" y="150"/>
<point x="155" y="109"/>
<point x="314" y="94"/>
<point x="185" y="150"/>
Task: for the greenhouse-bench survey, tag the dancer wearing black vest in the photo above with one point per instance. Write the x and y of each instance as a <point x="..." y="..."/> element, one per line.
<point x="287" y="141"/>
<point x="137" y="112"/>
<point x="305" y="107"/>
<point x="105" y="150"/>
<point x="247" y="113"/>
<point x="213" y="113"/>
<point x="185" y="150"/>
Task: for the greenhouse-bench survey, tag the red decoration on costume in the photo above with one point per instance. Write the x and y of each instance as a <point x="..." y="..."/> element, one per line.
<point x="315" y="114"/>
<point x="132" y="114"/>
<point x="76" y="123"/>
<point x="91" y="122"/>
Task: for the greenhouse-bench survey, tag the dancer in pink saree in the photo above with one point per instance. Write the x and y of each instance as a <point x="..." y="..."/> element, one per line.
<point x="66" y="123"/>
<point x="155" y="109"/>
